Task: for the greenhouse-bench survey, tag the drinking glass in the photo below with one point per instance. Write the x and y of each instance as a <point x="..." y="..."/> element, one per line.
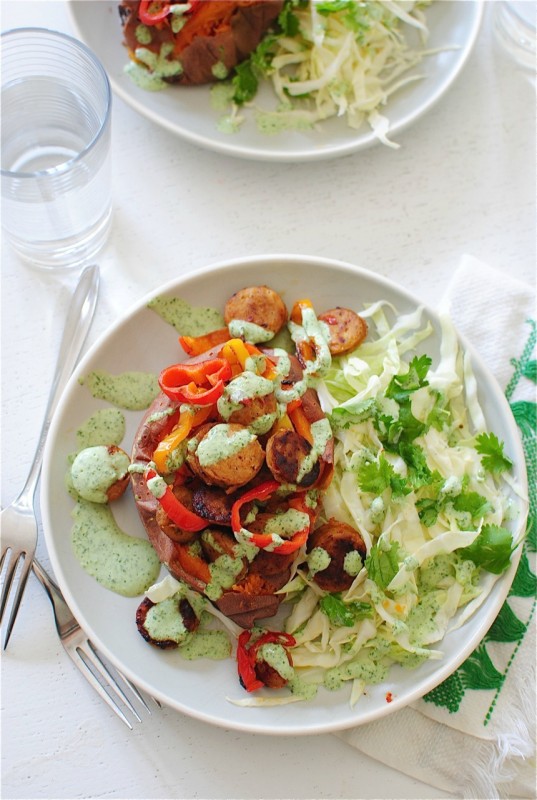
<point x="55" y="148"/>
<point x="515" y="28"/>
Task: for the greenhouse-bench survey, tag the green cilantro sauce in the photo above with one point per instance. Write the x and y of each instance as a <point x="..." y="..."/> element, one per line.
<point x="105" y="426"/>
<point x="134" y="391"/>
<point x="363" y="668"/>
<point x="322" y="433"/>
<point x="95" y="470"/>
<point x="220" y="443"/>
<point x="224" y="573"/>
<point x="287" y="523"/>
<point x="164" y="621"/>
<point x="249" y="331"/>
<point x="187" y="320"/>
<point x="220" y="71"/>
<point x="352" y="563"/>
<point x="144" y="79"/>
<point x="239" y="391"/>
<point x="207" y="644"/>
<point x="121" y="563"/>
<point x="275" y="656"/>
<point x="318" y="560"/>
<point x="158" y="63"/>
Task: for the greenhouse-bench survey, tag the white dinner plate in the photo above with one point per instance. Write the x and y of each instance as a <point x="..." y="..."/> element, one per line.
<point x="143" y="341"/>
<point x="187" y="111"/>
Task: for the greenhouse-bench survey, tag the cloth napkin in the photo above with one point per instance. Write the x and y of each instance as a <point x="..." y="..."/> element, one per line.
<point x="474" y="735"/>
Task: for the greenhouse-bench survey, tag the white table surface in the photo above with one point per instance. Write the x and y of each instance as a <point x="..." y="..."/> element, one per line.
<point x="462" y="182"/>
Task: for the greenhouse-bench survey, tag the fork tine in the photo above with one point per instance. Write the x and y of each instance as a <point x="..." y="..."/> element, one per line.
<point x="92" y="654"/>
<point x="92" y="680"/>
<point x="134" y="689"/>
<point x="10" y="567"/>
<point x="23" y="577"/>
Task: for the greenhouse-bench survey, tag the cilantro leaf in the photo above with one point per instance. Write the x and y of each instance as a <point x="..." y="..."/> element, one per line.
<point x="383" y="565"/>
<point x="288" y="21"/>
<point x="439" y="415"/>
<point x="419" y="472"/>
<point x="343" y="614"/>
<point x="428" y="510"/>
<point x="401" y="386"/>
<point x="473" y="503"/>
<point x="491" y="550"/>
<point x="430" y="506"/>
<point x="376" y="476"/>
<point x="494" y="460"/>
<point x="244" y="83"/>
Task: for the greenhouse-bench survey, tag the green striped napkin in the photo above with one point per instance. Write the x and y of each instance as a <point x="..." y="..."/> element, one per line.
<point x="474" y="735"/>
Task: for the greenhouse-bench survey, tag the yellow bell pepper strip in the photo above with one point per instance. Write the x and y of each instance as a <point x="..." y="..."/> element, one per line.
<point x="200" y="384"/>
<point x="300" y="422"/>
<point x="267" y="541"/>
<point x="196" y="345"/>
<point x="176" y="511"/>
<point x="247" y="655"/>
<point x="189" y="418"/>
<point x="296" y="311"/>
<point x="236" y="352"/>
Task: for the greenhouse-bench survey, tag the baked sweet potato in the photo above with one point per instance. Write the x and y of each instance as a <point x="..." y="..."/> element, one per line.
<point x="215" y="37"/>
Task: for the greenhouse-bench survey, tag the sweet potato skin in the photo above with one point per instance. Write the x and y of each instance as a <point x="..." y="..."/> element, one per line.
<point x="220" y="32"/>
<point x="252" y="598"/>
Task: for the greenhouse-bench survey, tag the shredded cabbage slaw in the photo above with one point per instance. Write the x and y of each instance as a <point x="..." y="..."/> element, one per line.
<point x="338" y="58"/>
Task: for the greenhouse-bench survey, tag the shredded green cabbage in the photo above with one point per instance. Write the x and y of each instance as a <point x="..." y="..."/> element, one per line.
<point x="338" y="58"/>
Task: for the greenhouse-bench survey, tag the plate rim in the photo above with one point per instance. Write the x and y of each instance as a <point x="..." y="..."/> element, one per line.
<point x="362" y="142"/>
<point x="447" y="668"/>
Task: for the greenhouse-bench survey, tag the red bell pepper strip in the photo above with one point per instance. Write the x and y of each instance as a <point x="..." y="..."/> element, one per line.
<point x="177" y="512"/>
<point x="247" y="675"/>
<point x="267" y="540"/>
<point x="152" y="11"/>
<point x="201" y="383"/>
<point x="247" y="656"/>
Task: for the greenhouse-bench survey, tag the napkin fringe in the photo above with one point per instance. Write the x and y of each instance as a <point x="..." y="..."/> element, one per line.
<point x="497" y="762"/>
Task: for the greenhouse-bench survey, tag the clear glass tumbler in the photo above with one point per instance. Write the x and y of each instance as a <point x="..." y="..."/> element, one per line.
<point x="55" y="148"/>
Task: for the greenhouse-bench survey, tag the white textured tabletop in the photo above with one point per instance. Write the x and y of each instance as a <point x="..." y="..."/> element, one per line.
<point x="463" y="181"/>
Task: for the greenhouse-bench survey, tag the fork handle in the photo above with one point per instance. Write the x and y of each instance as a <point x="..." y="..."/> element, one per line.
<point x="79" y="317"/>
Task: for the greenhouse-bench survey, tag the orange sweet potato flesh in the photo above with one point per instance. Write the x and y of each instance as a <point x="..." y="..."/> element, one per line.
<point x="219" y="32"/>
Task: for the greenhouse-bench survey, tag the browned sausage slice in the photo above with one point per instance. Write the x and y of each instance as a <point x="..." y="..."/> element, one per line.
<point x="227" y="471"/>
<point x="286" y="452"/>
<point x="213" y="504"/>
<point x="259" y="305"/>
<point x="347" y="329"/>
<point x="188" y="616"/>
<point x="338" y="539"/>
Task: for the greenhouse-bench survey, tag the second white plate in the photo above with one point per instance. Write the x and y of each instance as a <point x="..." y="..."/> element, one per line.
<point x="187" y="111"/>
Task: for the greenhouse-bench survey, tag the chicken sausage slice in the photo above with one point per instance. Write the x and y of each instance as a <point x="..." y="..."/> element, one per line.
<point x="338" y="539"/>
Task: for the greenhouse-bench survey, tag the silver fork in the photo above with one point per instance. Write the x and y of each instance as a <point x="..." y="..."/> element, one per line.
<point x="18" y="521"/>
<point x="85" y="655"/>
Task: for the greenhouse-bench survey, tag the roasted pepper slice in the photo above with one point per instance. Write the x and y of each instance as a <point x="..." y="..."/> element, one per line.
<point x="247" y="656"/>
<point x="199" y="384"/>
<point x="267" y="540"/>
<point x="177" y="512"/>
